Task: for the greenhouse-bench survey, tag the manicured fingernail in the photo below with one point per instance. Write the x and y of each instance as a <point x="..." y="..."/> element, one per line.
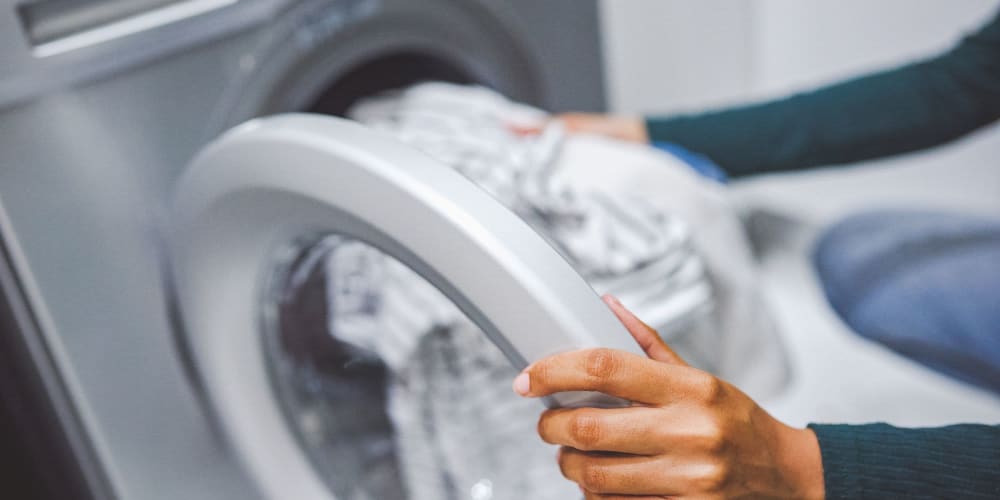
<point x="522" y="384"/>
<point x="611" y="300"/>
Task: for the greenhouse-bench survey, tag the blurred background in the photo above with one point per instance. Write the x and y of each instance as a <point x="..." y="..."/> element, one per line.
<point x="719" y="53"/>
<point x="118" y="381"/>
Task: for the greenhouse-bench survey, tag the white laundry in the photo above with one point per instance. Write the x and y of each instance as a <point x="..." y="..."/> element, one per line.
<point x="460" y="431"/>
<point x="739" y="342"/>
<point x="621" y="244"/>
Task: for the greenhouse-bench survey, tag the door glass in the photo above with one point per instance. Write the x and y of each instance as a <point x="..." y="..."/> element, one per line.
<point x="333" y="391"/>
<point x="391" y="391"/>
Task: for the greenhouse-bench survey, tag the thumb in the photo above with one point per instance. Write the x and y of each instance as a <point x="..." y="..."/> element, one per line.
<point x="645" y="335"/>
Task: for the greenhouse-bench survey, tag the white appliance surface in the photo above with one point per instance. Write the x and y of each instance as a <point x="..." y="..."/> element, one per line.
<point x="838" y="376"/>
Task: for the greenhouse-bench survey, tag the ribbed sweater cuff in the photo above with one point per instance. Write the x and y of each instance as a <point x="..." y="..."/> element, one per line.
<point x="842" y="462"/>
<point x="881" y="461"/>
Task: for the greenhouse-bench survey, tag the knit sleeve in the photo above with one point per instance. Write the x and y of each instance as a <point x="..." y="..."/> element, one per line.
<point x="878" y="461"/>
<point x="913" y="107"/>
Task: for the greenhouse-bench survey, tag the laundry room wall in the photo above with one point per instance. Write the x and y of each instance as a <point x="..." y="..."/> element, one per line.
<point x="667" y="56"/>
<point x="800" y="44"/>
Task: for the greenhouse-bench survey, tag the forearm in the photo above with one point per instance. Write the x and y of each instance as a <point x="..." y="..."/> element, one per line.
<point x="880" y="461"/>
<point x="898" y="111"/>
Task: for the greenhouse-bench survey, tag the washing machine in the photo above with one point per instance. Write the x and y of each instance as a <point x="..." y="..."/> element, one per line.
<point x="106" y="391"/>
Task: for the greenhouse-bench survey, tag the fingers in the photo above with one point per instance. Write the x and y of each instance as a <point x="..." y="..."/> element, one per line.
<point x="677" y="430"/>
<point x="603" y="474"/>
<point x="597" y="496"/>
<point x="616" y="373"/>
<point x="650" y="341"/>
<point x="582" y="122"/>
<point x="527" y="128"/>
<point x="621" y="430"/>
<point x="626" y="128"/>
<point x="573" y="123"/>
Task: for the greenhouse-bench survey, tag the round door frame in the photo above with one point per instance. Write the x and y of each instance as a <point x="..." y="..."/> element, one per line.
<point x="273" y="180"/>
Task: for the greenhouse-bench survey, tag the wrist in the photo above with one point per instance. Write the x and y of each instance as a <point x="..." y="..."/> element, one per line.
<point x="802" y="462"/>
<point x="640" y="132"/>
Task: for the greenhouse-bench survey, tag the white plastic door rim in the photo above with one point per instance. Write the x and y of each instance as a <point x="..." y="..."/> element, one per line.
<point x="272" y="181"/>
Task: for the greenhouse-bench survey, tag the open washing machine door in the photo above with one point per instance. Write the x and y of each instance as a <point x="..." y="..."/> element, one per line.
<point x="272" y="183"/>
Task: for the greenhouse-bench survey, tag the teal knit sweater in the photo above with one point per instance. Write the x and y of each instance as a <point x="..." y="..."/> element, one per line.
<point x="914" y="107"/>
<point x="879" y="461"/>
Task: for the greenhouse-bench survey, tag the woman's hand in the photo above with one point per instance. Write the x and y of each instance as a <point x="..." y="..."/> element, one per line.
<point x="625" y="128"/>
<point x="687" y="435"/>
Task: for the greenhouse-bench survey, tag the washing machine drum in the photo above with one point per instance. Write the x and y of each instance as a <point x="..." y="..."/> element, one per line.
<point x="255" y="218"/>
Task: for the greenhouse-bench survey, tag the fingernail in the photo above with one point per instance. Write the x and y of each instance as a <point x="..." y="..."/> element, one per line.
<point x="522" y="384"/>
<point x="611" y="300"/>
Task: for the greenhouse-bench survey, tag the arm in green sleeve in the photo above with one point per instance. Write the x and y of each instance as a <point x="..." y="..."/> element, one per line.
<point x="910" y="108"/>
<point x="879" y="461"/>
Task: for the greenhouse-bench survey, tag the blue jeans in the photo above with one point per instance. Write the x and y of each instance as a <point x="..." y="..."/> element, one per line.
<point x="926" y="285"/>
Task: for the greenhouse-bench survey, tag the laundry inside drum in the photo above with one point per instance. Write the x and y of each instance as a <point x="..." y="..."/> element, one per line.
<point x="390" y="389"/>
<point x="332" y="391"/>
<point x="391" y="392"/>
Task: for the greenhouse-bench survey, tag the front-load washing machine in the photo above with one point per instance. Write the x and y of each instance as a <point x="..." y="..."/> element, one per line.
<point x="102" y="104"/>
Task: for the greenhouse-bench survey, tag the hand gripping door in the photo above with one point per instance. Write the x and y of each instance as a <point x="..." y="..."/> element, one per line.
<point x="273" y="180"/>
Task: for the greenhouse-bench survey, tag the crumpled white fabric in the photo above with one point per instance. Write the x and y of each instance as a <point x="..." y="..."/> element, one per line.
<point x="740" y="341"/>
<point x="621" y="244"/>
<point x="460" y="431"/>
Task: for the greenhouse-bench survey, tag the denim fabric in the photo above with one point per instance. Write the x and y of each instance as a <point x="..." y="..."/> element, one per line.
<point x="697" y="161"/>
<point x="926" y="285"/>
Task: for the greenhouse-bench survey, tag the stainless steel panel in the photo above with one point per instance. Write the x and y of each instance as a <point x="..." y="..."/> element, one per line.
<point x="92" y="141"/>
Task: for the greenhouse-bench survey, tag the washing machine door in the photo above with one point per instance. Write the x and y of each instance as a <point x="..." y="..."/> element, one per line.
<point x="252" y="194"/>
